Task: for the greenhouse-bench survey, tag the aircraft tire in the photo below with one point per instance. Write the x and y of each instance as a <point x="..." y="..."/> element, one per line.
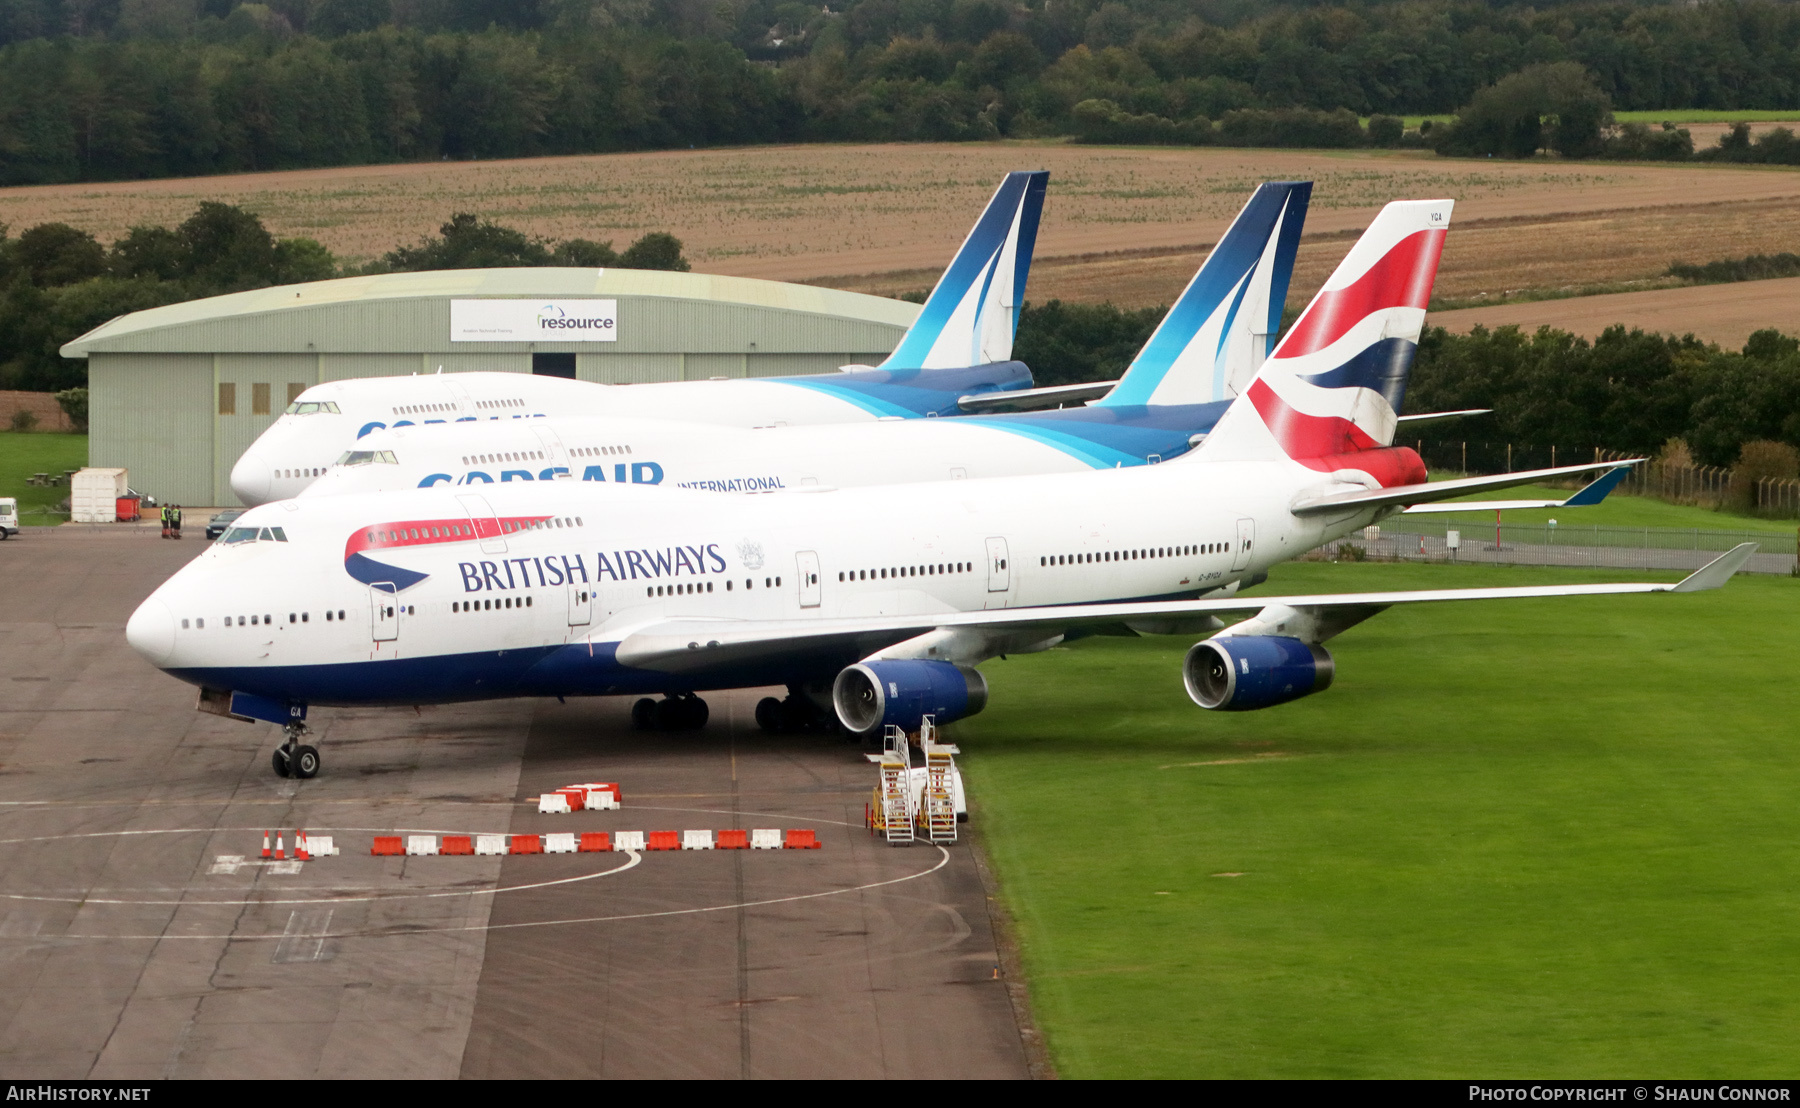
<point x="643" y="715"/>
<point x="280" y="761"/>
<point x="697" y="713"/>
<point x="768" y="715"/>
<point x="306" y="762"/>
<point x="670" y="715"/>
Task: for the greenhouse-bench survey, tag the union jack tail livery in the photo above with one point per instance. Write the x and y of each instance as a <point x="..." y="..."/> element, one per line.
<point x="1330" y="395"/>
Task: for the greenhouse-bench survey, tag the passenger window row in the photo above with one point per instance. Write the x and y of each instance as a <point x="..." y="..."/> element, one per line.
<point x="688" y="589"/>
<point x="259" y="621"/>
<point x="514" y="456"/>
<point x="1139" y="554"/>
<point x="597" y="451"/>
<point x="499" y="403"/>
<point x="416" y="409"/>
<point x="488" y="605"/>
<point x="407" y="534"/>
<point x="509" y="526"/>
<point x="941" y="568"/>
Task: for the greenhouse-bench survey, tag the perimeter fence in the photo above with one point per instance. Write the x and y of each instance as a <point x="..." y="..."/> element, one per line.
<point x="1428" y="539"/>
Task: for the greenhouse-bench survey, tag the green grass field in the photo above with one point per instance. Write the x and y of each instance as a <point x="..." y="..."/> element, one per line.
<point x="1672" y="115"/>
<point x="23" y="454"/>
<point x="1616" y="511"/>
<point x="1705" y="115"/>
<point x="1537" y="838"/>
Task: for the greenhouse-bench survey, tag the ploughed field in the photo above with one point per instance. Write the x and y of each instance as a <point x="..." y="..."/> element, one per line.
<point x="1121" y="224"/>
<point x="1540" y="838"/>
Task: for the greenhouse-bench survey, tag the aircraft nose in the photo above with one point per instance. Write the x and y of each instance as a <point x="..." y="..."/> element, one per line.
<point x="151" y="631"/>
<point x="252" y="478"/>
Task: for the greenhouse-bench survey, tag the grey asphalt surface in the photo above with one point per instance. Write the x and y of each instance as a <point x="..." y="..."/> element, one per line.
<point x="129" y="950"/>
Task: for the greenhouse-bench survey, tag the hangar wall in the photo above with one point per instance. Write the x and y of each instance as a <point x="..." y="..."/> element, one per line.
<point x="178" y="393"/>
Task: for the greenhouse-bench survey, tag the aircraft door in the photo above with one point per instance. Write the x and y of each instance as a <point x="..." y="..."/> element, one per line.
<point x="810" y="589"/>
<point x="553" y="447"/>
<point x="465" y="406"/>
<point x="384" y="611"/>
<point x="581" y="603"/>
<point x="487" y="525"/>
<point x="1246" y="538"/>
<point x="999" y="573"/>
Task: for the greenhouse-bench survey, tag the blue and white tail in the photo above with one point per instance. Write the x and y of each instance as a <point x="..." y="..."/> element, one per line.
<point x="971" y="315"/>
<point x="1330" y="395"/>
<point x="1210" y="345"/>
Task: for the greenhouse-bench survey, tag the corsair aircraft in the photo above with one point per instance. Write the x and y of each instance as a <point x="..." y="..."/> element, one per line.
<point x="1206" y="349"/>
<point x="959" y="347"/>
<point x="874" y="608"/>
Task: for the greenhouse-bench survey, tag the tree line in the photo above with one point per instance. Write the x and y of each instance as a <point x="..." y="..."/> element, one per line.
<point x="1627" y="389"/>
<point x="149" y="88"/>
<point x="58" y="282"/>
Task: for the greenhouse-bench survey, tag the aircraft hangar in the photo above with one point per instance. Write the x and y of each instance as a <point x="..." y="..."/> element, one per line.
<point x="178" y="393"/>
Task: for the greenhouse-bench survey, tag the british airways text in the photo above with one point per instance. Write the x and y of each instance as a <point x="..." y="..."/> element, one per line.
<point x="619" y="565"/>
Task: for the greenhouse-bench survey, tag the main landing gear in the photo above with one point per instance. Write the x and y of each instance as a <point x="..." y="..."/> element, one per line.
<point x="796" y="714"/>
<point x="294" y="758"/>
<point x="681" y="712"/>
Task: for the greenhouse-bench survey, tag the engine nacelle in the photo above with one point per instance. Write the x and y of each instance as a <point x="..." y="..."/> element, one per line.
<point x="869" y="696"/>
<point x="1238" y="674"/>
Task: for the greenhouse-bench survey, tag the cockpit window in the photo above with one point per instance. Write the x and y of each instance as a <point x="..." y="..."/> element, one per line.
<point x="253" y="534"/>
<point x="312" y="407"/>
<point x="368" y="457"/>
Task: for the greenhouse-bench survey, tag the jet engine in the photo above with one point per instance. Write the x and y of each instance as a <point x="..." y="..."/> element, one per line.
<point x="869" y="696"/>
<point x="1238" y="674"/>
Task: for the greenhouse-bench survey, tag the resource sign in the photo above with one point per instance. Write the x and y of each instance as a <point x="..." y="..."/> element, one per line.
<point x="534" y="320"/>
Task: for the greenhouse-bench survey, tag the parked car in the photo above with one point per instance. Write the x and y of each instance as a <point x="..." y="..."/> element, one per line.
<point x="9" y="517"/>
<point x="218" y="524"/>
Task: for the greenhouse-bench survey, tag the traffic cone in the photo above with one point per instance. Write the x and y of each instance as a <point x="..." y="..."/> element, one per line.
<point x="279" y="853"/>
<point x="265" y="852"/>
<point x="300" y="852"/>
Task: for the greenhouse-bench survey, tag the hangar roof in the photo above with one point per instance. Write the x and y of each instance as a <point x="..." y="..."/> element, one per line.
<point x="410" y="312"/>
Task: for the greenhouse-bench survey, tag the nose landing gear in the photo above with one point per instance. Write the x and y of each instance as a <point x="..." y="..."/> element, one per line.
<point x="294" y="758"/>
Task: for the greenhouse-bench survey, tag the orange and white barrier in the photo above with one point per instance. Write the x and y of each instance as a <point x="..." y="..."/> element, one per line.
<point x="420" y="846"/>
<point x="696" y="840"/>
<point x="765" y="838"/>
<point x="490" y="844"/>
<point x="628" y="840"/>
<point x="458" y="845"/>
<point x="596" y="842"/>
<point x="559" y="844"/>
<point x="733" y="840"/>
<point x="554" y="804"/>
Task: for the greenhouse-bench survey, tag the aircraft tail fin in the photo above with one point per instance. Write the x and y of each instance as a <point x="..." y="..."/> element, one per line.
<point x="1330" y="394"/>
<point x="972" y="314"/>
<point x="1217" y="335"/>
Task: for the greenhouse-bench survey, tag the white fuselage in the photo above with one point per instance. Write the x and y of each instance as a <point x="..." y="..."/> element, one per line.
<point x="571" y="563"/>
<point x="298" y="447"/>
<point x="757" y="460"/>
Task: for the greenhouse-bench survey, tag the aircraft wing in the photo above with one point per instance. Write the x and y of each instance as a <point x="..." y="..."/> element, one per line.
<point x="1426" y="418"/>
<point x="1590" y="494"/>
<point x="1434" y="491"/>
<point x="1026" y="400"/>
<point x="694" y="645"/>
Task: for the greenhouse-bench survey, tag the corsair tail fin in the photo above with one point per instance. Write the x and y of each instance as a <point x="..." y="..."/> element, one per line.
<point x="970" y="317"/>
<point x="1215" y="338"/>
<point x="1334" y="385"/>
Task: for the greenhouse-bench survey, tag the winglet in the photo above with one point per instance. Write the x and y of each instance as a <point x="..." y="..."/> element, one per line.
<point x="1719" y="570"/>
<point x="1595" y="491"/>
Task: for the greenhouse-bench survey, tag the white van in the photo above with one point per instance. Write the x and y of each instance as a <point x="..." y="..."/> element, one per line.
<point x="9" y="517"/>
